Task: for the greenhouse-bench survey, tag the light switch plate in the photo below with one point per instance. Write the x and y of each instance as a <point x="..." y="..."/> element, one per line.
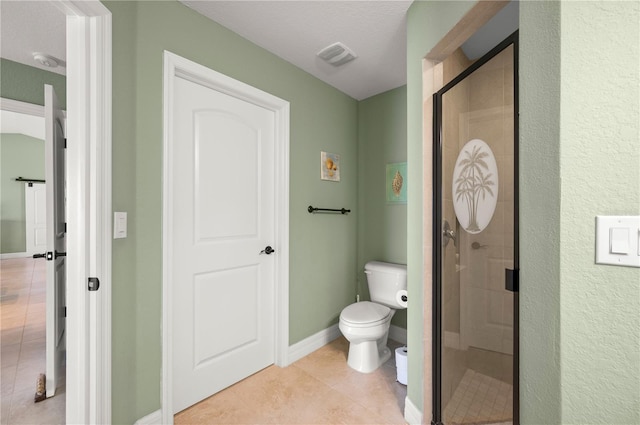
<point x="615" y="240"/>
<point x="119" y="225"/>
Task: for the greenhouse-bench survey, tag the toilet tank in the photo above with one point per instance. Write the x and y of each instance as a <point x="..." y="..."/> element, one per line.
<point x="385" y="280"/>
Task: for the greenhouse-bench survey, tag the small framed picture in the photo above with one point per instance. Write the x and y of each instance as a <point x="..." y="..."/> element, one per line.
<point x="397" y="183"/>
<point x="329" y="166"/>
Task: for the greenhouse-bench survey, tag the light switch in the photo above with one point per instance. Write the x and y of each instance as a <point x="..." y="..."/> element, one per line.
<point x="119" y="225"/>
<point x="619" y="240"/>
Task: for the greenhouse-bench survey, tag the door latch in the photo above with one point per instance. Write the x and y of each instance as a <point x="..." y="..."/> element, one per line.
<point x="50" y="255"/>
<point x="94" y="283"/>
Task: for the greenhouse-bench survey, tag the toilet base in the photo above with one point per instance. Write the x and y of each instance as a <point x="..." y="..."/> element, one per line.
<point x="367" y="356"/>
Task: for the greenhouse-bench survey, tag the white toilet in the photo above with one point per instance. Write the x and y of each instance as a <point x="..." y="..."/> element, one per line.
<point x="366" y="324"/>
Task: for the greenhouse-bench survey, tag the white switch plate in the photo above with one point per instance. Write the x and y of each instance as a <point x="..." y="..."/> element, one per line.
<point x="616" y="241"/>
<point x="119" y="225"/>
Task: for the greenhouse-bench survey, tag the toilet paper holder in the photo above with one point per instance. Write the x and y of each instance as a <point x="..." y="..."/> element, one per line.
<point x="401" y="298"/>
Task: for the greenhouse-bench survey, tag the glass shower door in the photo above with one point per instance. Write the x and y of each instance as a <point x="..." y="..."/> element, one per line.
<point x="475" y="269"/>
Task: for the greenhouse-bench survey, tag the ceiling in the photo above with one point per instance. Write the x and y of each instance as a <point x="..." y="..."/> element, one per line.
<point x="32" y="26"/>
<point x="294" y="30"/>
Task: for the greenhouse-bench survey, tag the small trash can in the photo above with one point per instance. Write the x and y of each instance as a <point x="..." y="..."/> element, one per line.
<point x="401" y="365"/>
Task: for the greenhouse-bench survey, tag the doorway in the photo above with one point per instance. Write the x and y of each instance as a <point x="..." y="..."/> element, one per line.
<point x="475" y="263"/>
<point x="33" y="336"/>
<point x="225" y="232"/>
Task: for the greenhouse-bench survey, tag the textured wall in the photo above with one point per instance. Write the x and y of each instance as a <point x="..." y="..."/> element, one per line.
<point x="382" y="227"/>
<point x="579" y="157"/>
<point x="540" y="212"/>
<point x="599" y="175"/>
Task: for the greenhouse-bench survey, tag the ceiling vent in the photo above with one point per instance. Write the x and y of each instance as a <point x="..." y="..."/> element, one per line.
<point x="337" y="54"/>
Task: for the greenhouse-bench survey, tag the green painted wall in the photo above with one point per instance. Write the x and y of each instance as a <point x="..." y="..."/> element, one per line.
<point x="125" y="380"/>
<point x="580" y="97"/>
<point x="427" y="23"/>
<point x="540" y="213"/>
<point x="599" y="175"/>
<point x="26" y="83"/>
<point x="382" y="227"/>
<point x="322" y="118"/>
<point x="20" y="155"/>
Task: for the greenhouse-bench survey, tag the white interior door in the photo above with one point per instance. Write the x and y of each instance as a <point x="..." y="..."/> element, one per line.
<point x="223" y="217"/>
<point x="56" y="244"/>
<point x="35" y="195"/>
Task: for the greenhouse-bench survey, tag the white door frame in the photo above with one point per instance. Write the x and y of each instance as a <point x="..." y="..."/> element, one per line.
<point x="88" y="392"/>
<point x="174" y="67"/>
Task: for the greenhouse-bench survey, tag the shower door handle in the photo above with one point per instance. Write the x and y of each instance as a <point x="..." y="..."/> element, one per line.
<point x="512" y="281"/>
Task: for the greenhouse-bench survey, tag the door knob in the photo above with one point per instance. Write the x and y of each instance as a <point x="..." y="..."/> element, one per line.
<point x="268" y="250"/>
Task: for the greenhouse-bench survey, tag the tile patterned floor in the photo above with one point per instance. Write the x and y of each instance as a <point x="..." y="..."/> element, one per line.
<point x="317" y="389"/>
<point x="22" y="342"/>
<point x="480" y="399"/>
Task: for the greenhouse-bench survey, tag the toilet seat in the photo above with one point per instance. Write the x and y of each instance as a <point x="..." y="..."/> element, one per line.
<point x="365" y="314"/>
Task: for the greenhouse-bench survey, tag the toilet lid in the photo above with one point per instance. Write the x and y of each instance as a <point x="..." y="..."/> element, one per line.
<point x="364" y="312"/>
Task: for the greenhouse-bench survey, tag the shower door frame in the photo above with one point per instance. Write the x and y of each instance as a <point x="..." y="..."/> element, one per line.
<point x="511" y="276"/>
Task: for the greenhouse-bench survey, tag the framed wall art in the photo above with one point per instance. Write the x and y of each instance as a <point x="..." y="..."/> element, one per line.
<point x="329" y="166"/>
<point x="396" y="184"/>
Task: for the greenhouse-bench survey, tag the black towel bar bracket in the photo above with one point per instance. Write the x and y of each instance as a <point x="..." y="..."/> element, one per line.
<point x="314" y="210"/>
<point x="30" y="181"/>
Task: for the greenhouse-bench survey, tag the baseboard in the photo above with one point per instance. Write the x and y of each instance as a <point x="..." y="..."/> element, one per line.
<point x="452" y="340"/>
<point x="412" y="414"/>
<point x="153" y="418"/>
<point x="398" y="334"/>
<point x="14" y="255"/>
<point x="312" y="343"/>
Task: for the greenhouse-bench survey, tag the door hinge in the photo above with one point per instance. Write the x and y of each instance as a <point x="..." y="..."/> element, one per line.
<point x="94" y="283"/>
<point x="512" y="282"/>
<point x="65" y="311"/>
<point x="65" y="227"/>
<point x="65" y="142"/>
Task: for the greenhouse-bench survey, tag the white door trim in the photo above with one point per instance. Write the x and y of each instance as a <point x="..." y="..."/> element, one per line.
<point x="88" y="392"/>
<point x="21" y="107"/>
<point x="176" y="66"/>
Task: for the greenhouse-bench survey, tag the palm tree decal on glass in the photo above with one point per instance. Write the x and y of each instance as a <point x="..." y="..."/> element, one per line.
<point x="475" y="185"/>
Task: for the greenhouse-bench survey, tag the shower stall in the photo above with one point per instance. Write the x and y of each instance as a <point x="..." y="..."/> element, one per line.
<point x="475" y="320"/>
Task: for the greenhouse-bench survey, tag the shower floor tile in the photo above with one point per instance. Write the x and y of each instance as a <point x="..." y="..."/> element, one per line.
<point x="480" y="399"/>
